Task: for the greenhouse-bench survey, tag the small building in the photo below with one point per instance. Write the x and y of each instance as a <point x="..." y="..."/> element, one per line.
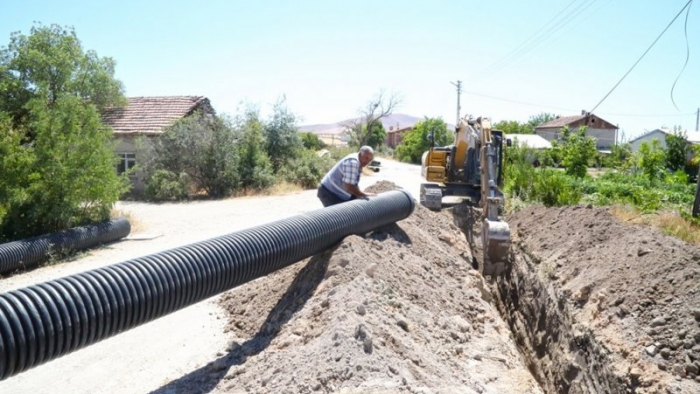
<point x="693" y="138"/>
<point x="532" y="141"/>
<point x="395" y="135"/>
<point x="147" y="116"/>
<point x="603" y="131"/>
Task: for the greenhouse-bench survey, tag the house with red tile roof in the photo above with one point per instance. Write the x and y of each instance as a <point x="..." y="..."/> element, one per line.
<point x="148" y="116"/>
<point x="603" y="131"/>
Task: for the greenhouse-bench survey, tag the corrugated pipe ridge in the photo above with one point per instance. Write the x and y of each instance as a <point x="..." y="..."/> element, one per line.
<point x="51" y="319"/>
<point x="32" y="251"/>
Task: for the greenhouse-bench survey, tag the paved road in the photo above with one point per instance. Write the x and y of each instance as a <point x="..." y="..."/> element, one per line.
<point x="148" y="357"/>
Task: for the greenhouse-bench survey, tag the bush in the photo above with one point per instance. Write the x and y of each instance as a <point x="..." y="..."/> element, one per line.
<point x="640" y="191"/>
<point x="307" y="170"/>
<point x="165" y="185"/>
<point x="311" y="141"/>
<point x="553" y="188"/>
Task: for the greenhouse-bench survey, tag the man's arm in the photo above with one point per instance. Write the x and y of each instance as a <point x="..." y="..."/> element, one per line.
<point x="355" y="191"/>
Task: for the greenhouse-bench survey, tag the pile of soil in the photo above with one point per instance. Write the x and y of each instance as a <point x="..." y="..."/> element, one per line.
<point x="399" y="310"/>
<point x="602" y="305"/>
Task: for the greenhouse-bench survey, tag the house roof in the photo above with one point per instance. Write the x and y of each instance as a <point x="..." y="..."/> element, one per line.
<point x="150" y="115"/>
<point x="692" y="136"/>
<point x="575" y="120"/>
<point x="533" y="141"/>
<point x="401" y="130"/>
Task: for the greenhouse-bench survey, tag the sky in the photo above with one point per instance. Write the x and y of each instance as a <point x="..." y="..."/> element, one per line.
<point x="328" y="58"/>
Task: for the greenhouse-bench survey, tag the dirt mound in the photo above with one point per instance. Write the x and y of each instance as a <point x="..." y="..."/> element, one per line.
<point x="400" y="310"/>
<point x="632" y="291"/>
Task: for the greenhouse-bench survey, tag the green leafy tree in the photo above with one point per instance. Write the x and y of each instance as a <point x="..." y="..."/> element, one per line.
<point x="254" y="167"/>
<point x="374" y="138"/>
<point x="61" y="171"/>
<point x="417" y="140"/>
<point x="514" y="127"/>
<point x="71" y="179"/>
<point x="311" y="141"/>
<point x="282" y="140"/>
<point x="676" y="150"/>
<point x="651" y="159"/>
<point x="578" y="151"/>
<point x="48" y="63"/>
<point x="202" y="147"/>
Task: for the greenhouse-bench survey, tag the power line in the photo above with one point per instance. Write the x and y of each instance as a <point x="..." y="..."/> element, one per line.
<point x="528" y="39"/>
<point x="645" y="52"/>
<point x="687" y="56"/>
<point x="549" y="33"/>
<point x="517" y="102"/>
<point x="574" y="110"/>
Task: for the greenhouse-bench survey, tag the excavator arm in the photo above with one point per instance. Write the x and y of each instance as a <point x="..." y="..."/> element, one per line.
<point x="495" y="233"/>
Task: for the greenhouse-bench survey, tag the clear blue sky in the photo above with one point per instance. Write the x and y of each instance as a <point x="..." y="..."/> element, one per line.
<point x="330" y="57"/>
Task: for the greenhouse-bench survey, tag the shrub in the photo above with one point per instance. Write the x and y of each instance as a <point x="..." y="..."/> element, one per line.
<point x="307" y="170"/>
<point x="311" y="141"/>
<point x="165" y="185"/>
<point x="553" y="188"/>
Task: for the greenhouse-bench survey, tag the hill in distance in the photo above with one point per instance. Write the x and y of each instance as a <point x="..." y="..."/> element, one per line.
<point x="395" y="120"/>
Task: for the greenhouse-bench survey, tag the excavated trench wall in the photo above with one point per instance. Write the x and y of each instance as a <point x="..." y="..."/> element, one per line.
<point x="563" y="359"/>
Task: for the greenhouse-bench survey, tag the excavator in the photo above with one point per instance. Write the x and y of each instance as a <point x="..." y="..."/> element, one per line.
<point x="471" y="168"/>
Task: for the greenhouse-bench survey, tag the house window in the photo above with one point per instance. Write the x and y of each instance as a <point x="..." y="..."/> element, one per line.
<point x="126" y="162"/>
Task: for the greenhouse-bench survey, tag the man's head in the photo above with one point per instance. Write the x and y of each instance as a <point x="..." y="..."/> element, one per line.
<point x="365" y="155"/>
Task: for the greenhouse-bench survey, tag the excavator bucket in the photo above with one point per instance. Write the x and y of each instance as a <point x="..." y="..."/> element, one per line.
<point x="496" y="244"/>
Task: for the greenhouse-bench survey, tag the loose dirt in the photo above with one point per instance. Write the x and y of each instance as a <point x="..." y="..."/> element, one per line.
<point x="603" y="306"/>
<point x="397" y="311"/>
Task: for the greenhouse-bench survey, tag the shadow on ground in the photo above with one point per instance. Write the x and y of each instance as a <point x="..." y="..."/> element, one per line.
<point x="206" y="378"/>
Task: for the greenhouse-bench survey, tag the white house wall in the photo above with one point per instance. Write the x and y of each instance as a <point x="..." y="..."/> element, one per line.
<point x="648" y="138"/>
<point x="605" y="138"/>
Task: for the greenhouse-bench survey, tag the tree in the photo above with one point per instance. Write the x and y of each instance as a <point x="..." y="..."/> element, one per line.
<point x="70" y="179"/>
<point x="254" y="166"/>
<point x="203" y="148"/>
<point x="652" y="159"/>
<point x="676" y="150"/>
<point x="578" y="151"/>
<point x="59" y="170"/>
<point x="281" y="136"/>
<point x="374" y="138"/>
<point x="49" y="63"/>
<point x="513" y="127"/>
<point x="541" y="118"/>
<point x="417" y="140"/>
<point x="361" y="128"/>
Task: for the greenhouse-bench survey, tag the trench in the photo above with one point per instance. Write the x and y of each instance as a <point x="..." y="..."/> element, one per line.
<point x="562" y="356"/>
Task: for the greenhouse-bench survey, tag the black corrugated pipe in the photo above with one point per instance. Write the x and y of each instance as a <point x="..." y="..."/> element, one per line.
<point x="32" y="251"/>
<point x="48" y="320"/>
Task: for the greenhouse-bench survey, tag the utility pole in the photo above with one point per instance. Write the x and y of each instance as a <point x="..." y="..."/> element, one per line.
<point x="697" y="120"/>
<point x="459" y="93"/>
